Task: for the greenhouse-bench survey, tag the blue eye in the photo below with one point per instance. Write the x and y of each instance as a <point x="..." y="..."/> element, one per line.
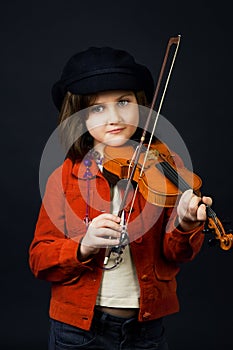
<point x="97" y="109"/>
<point x="123" y="103"/>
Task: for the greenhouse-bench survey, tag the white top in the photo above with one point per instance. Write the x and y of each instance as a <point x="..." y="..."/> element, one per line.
<point x="119" y="287"/>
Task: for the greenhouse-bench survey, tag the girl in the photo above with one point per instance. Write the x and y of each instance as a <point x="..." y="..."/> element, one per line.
<point x="118" y="302"/>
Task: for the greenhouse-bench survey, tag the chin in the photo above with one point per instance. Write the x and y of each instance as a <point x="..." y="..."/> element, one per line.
<point x="116" y="142"/>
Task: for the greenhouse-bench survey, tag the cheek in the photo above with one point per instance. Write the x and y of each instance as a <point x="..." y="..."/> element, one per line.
<point x="133" y="119"/>
<point x="89" y="124"/>
<point x="95" y="132"/>
<point x="93" y="124"/>
<point x="131" y="128"/>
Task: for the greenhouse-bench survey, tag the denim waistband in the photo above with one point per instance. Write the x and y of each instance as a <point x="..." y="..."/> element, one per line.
<point x="104" y="316"/>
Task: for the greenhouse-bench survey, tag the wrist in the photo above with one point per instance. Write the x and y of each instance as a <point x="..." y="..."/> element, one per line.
<point x="84" y="252"/>
<point x="187" y="225"/>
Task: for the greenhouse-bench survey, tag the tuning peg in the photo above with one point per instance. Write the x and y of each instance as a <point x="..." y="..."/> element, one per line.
<point x="206" y="228"/>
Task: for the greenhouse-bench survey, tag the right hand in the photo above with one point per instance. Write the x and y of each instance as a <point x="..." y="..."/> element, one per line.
<point x="103" y="231"/>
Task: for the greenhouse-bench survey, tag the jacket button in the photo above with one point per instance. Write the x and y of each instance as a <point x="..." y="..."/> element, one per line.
<point x="144" y="278"/>
<point x="146" y="315"/>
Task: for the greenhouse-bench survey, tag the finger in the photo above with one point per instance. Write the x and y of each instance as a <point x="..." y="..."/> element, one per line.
<point x="193" y="205"/>
<point x="107" y="232"/>
<point x="201" y="212"/>
<point x="186" y="196"/>
<point x="101" y="242"/>
<point x="107" y="242"/>
<point x="184" y="200"/>
<point x="183" y="205"/>
<point x="207" y="200"/>
<point x="108" y="224"/>
<point x="107" y="216"/>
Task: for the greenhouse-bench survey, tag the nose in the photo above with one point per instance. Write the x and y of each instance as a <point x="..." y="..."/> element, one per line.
<point x="114" y="116"/>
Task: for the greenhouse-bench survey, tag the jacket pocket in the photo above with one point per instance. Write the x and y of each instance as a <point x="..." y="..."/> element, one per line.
<point x="166" y="273"/>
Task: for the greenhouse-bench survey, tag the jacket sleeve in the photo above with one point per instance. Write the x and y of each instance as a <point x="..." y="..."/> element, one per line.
<point x="180" y="246"/>
<point x="53" y="255"/>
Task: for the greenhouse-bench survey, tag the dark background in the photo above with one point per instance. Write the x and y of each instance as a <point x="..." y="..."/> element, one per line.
<point x="37" y="37"/>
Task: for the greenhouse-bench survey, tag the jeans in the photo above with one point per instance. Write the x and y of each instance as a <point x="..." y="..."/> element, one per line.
<point x="109" y="333"/>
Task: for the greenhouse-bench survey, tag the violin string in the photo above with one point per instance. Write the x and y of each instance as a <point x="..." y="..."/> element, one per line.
<point x="213" y="216"/>
<point x="132" y="203"/>
<point x="181" y="183"/>
<point x="173" y="175"/>
<point x="131" y="161"/>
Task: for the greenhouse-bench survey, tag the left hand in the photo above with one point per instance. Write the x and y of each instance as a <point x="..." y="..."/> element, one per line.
<point x="190" y="211"/>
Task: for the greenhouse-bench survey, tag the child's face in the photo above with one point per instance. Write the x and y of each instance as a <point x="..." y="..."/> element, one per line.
<point x="114" y="117"/>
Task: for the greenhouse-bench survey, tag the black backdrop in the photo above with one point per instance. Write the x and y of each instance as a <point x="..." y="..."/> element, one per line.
<point x="37" y="37"/>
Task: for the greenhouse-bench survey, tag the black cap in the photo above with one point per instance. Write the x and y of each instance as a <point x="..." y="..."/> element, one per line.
<point x="102" y="69"/>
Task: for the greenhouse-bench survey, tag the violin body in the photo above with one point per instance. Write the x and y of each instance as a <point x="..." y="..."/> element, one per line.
<point x="155" y="187"/>
<point x="154" y="183"/>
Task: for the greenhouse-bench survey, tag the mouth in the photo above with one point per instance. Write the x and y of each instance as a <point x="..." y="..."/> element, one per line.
<point x="115" y="131"/>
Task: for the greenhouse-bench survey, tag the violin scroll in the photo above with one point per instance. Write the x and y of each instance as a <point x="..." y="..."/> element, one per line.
<point x="214" y="225"/>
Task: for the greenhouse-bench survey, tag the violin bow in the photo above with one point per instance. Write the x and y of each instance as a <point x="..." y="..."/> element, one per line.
<point x="172" y="41"/>
<point x="124" y="236"/>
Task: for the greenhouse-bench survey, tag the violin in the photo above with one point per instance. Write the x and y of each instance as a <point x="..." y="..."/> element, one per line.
<point x="162" y="181"/>
<point x="159" y="178"/>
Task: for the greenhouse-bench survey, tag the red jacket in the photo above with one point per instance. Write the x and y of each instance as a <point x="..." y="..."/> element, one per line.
<point x="157" y="248"/>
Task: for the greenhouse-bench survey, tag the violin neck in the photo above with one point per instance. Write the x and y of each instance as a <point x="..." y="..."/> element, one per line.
<point x="179" y="182"/>
<point x="173" y="176"/>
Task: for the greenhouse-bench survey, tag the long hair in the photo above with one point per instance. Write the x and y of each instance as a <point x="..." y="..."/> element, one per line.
<point x="72" y="121"/>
